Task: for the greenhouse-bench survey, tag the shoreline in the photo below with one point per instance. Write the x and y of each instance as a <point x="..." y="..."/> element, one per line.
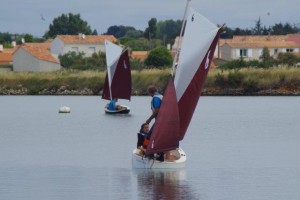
<point x="205" y="92"/>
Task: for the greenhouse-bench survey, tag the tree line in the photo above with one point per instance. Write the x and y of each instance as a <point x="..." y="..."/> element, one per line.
<point x="154" y="38"/>
<point x="165" y="31"/>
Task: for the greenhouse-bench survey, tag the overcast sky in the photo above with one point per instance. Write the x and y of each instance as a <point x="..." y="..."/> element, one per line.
<point x="25" y="16"/>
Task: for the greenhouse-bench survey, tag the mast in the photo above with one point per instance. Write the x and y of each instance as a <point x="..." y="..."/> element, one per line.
<point x="180" y="38"/>
<point x="109" y="82"/>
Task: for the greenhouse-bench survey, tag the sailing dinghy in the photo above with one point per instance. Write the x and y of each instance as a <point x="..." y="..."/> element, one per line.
<point x="181" y="95"/>
<point x="118" y="77"/>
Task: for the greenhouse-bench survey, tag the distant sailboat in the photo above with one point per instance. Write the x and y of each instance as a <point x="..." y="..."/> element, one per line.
<point x="118" y="76"/>
<point x="182" y="95"/>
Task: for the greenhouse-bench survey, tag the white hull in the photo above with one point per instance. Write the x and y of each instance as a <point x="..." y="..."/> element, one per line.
<point x="141" y="162"/>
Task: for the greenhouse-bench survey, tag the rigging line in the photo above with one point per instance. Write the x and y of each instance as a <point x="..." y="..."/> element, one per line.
<point x="152" y="163"/>
<point x="180" y="39"/>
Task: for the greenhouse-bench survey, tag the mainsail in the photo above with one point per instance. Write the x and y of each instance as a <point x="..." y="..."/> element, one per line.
<point x="118" y="76"/>
<point x="197" y="50"/>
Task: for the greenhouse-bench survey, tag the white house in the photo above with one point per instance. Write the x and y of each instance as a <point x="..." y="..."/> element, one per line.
<point x="251" y="47"/>
<point x="88" y="44"/>
<point x="34" y="57"/>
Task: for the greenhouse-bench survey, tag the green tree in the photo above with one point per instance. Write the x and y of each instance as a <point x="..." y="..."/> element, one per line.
<point x="168" y="30"/>
<point x="289" y="59"/>
<point x="257" y="30"/>
<point x="68" y="24"/>
<point x="283" y="29"/>
<point x="5" y="38"/>
<point x="70" y="59"/>
<point x="265" y="56"/>
<point x="159" y="57"/>
<point x="124" y="31"/>
<point x="97" y="61"/>
<point x="151" y="31"/>
<point x="28" y="38"/>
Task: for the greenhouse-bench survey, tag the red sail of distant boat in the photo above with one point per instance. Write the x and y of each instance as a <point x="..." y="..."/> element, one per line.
<point x="197" y="50"/>
<point x="165" y="135"/>
<point x="118" y="78"/>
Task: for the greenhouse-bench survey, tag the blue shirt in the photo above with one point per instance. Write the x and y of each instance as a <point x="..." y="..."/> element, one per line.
<point x="156" y="102"/>
<point x="112" y="105"/>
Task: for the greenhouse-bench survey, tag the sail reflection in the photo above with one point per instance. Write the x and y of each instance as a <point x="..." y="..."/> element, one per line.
<point x="162" y="184"/>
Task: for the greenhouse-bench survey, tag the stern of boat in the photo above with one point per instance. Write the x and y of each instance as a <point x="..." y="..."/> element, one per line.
<point x="173" y="160"/>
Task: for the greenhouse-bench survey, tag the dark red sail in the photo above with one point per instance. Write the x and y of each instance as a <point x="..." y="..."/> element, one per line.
<point x="120" y="80"/>
<point x="166" y="128"/>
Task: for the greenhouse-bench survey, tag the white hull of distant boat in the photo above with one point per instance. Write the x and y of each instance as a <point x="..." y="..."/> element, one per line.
<point x="64" y="109"/>
<point x="124" y="110"/>
<point x="141" y="162"/>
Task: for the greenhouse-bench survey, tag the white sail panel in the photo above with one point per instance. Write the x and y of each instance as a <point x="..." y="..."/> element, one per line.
<point x="198" y="36"/>
<point x="113" y="53"/>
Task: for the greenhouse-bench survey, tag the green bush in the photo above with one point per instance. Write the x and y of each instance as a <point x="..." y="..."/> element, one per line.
<point x="235" y="79"/>
<point x="287" y="58"/>
<point x="250" y="85"/>
<point x="220" y="80"/>
<point x="234" y="64"/>
<point x="159" y="57"/>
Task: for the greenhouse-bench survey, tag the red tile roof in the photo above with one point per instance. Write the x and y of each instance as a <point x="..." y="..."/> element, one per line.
<point x="40" y="50"/>
<point x="142" y="55"/>
<point x="91" y="39"/>
<point x="6" y="56"/>
<point x="259" y="41"/>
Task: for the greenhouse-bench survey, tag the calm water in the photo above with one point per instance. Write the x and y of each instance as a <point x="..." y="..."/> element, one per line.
<point x="238" y="148"/>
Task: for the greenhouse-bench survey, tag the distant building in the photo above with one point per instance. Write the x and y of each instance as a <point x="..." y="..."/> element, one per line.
<point x="34" y="57"/>
<point x="251" y="47"/>
<point x="88" y="44"/>
<point x="141" y="55"/>
<point x="6" y="55"/>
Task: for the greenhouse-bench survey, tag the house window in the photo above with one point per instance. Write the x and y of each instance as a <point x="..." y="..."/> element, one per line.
<point x="243" y="53"/>
<point x="275" y="51"/>
<point x="290" y="50"/>
<point x="75" y="49"/>
<point x="92" y="50"/>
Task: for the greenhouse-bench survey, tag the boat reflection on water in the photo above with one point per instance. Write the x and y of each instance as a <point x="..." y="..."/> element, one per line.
<point x="162" y="184"/>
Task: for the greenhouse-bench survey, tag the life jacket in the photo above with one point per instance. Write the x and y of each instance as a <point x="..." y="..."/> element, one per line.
<point x="145" y="143"/>
<point x="157" y="95"/>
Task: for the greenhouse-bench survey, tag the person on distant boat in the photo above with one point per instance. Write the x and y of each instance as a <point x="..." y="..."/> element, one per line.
<point x="142" y="138"/>
<point x="112" y="105"/>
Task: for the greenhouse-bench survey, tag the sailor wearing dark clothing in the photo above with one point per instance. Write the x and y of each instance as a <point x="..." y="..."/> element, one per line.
<point x="142" y="141"/>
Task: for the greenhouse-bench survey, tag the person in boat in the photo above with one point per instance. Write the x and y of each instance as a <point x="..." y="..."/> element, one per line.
<point x="112" y="105"/>
<point x="142" y="138"/>
<point x="155" y="105"/>
<point x="155" y="102"/>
